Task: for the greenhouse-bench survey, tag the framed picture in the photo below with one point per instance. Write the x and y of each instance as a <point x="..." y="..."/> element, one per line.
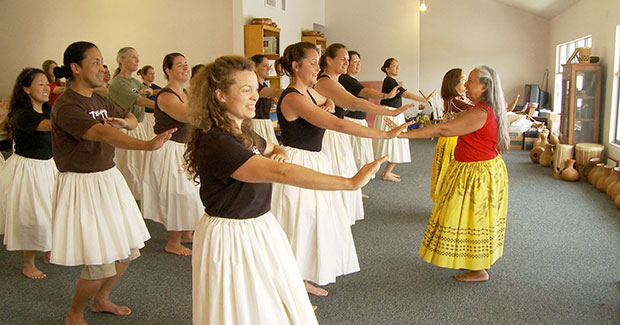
<point x="270" y="3"/>
<point x="272" y="69"/>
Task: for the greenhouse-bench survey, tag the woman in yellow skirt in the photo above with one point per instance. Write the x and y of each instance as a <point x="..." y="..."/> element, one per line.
<point x="454" y="102"/>
<point x="466" y="227"/>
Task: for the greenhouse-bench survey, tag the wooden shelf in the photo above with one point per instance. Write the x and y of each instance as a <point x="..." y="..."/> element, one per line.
<point x="254" y="38"/>
<point x="319" y="41"/>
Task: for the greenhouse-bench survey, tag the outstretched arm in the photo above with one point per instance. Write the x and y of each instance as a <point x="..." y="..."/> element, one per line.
<point x="295" y="105"/>
<point x="465" y="123"/>
<point x="259" y="169"/>
<point x="336" y="92"/>
<point x="116" y="138"/>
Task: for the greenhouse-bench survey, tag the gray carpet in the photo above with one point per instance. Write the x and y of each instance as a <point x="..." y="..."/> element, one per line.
<point x="561" y="264"/>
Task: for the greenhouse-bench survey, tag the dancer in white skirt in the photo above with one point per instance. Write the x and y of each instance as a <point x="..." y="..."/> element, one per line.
<point x="147" y="73"/>
<point x="336" y="145"/>
<point x="96" y="222"/>
<point x="261" y="122"/>
<point x="243" y="269"/>
<point x="168" y="195"/>
<point x="27" y="180"/>
<point x="362" y="147"/>
<point x="396" y="148"/>
<point x="316" y="222"/>
<point x="130" y="94"/>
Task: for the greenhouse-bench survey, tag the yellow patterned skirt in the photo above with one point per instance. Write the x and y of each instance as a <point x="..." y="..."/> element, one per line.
<point x="467" y="225"/>
<point x="444" y="154"/>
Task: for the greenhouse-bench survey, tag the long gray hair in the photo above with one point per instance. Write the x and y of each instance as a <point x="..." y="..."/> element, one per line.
<point x="121" y="54"/>
<point x="494" y="97"/>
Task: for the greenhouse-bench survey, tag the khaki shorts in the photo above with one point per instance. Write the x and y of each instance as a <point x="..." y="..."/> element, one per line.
<point x="97" y="272"/>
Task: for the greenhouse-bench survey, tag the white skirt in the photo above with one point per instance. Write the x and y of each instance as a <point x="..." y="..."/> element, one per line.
<point x="168" y="195"/>
<point x="264" y="128"/>
<point x="316" y="224"/>
<point x="337" y="148"/>
<point x="362" y="147"/>
<point x="131" y="162"/>
<point x="26" y="189"/>
<point x="244" y="272"/>
<point x="398" y="149"/>
<point x="149" y="125"/>
<point x="95" y="219"/>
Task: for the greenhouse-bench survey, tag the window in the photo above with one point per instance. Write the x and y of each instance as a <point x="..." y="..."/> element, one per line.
<point x="562" y="53"/>
<point x="615" y="97"/>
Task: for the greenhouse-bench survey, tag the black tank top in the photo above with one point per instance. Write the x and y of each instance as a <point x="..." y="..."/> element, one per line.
<point x="299" y="133"/>
<point x="164" y="121"/>
<point x="263" y="105"/>
<point x="339" y="112"/>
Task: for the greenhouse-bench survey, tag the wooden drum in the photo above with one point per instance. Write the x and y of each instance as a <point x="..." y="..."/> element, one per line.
<point x="563" y="152"/>
<point x="585" y="150"/>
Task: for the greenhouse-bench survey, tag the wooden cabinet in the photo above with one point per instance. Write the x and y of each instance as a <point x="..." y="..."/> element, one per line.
<point x="263" y="39"/>
<point x="320" y="42"/>
<point x="581" y="102"/>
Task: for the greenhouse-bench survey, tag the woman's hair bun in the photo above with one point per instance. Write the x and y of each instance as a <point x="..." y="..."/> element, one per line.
<point x="62" y="72"/>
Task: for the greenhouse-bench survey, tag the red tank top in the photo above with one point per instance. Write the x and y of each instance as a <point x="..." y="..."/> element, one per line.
<point x="481" y="144"/>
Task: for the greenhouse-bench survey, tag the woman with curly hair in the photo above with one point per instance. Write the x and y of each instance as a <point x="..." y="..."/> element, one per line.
<point x="241" y="259"/>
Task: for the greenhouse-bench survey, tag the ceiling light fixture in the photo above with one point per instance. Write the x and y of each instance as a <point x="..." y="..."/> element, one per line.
<point x="423" y="6"/>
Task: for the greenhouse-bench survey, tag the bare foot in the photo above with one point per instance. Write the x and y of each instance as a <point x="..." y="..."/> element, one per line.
<point x="31" y="272"/>
<point x="473" y="276"/>
<point x="75" y="319"/>
<point x="109" y="307"/>
<point x="46" y="257"/>
<point x="390" y="178"/>
<point x="315" y="290"/>
<point x="364" y="196"/>
<point x="187" y="238"/>
<point x="314" y="307"/>
<point x="178" y="249"/>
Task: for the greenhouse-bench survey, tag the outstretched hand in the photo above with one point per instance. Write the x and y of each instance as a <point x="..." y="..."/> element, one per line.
<point x="158" y="141"/>
<point x="115" y="122"/>
<point x="367" y="171"/>
<point x="278" y="157"/>
<point x="428" y="98"/>
<point x="329" y="106"/>
<point x="393" y="93"/>
<point x="395" y="130"/>
<point x="401" y="109"/>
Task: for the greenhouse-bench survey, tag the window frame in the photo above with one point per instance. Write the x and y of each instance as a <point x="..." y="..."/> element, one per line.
<point x="615" y="102"/>
<point x="562" y="52"/>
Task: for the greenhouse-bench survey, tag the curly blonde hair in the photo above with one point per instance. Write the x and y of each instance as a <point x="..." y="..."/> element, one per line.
<point x="207" y="113"/>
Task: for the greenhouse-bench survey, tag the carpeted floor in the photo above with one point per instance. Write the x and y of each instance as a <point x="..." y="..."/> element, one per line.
<point x="561" y="264"/>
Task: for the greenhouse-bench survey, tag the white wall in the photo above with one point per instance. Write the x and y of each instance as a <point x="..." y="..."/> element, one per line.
<point x="378" y="30"/>
<point x="33" y="31"/>
<point x="466" y="33"/>
<point x="598" y="18"/>
<point x="299" y="15"/>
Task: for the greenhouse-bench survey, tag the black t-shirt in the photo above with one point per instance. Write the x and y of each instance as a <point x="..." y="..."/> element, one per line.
<point x="299" y="133"/>
<point x="29" y="142"/>
<point x="219" y="155"/>
<point x="263" y="105"/>
<point x="354" y="87"/>
<point x="388" y="84"/>
<point x="164" y="122"/>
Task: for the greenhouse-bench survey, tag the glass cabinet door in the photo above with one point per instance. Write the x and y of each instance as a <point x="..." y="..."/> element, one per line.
<point x="585" y="92"/>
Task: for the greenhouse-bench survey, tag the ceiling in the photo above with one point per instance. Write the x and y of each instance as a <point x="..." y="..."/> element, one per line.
<point x="544" y="8"/>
